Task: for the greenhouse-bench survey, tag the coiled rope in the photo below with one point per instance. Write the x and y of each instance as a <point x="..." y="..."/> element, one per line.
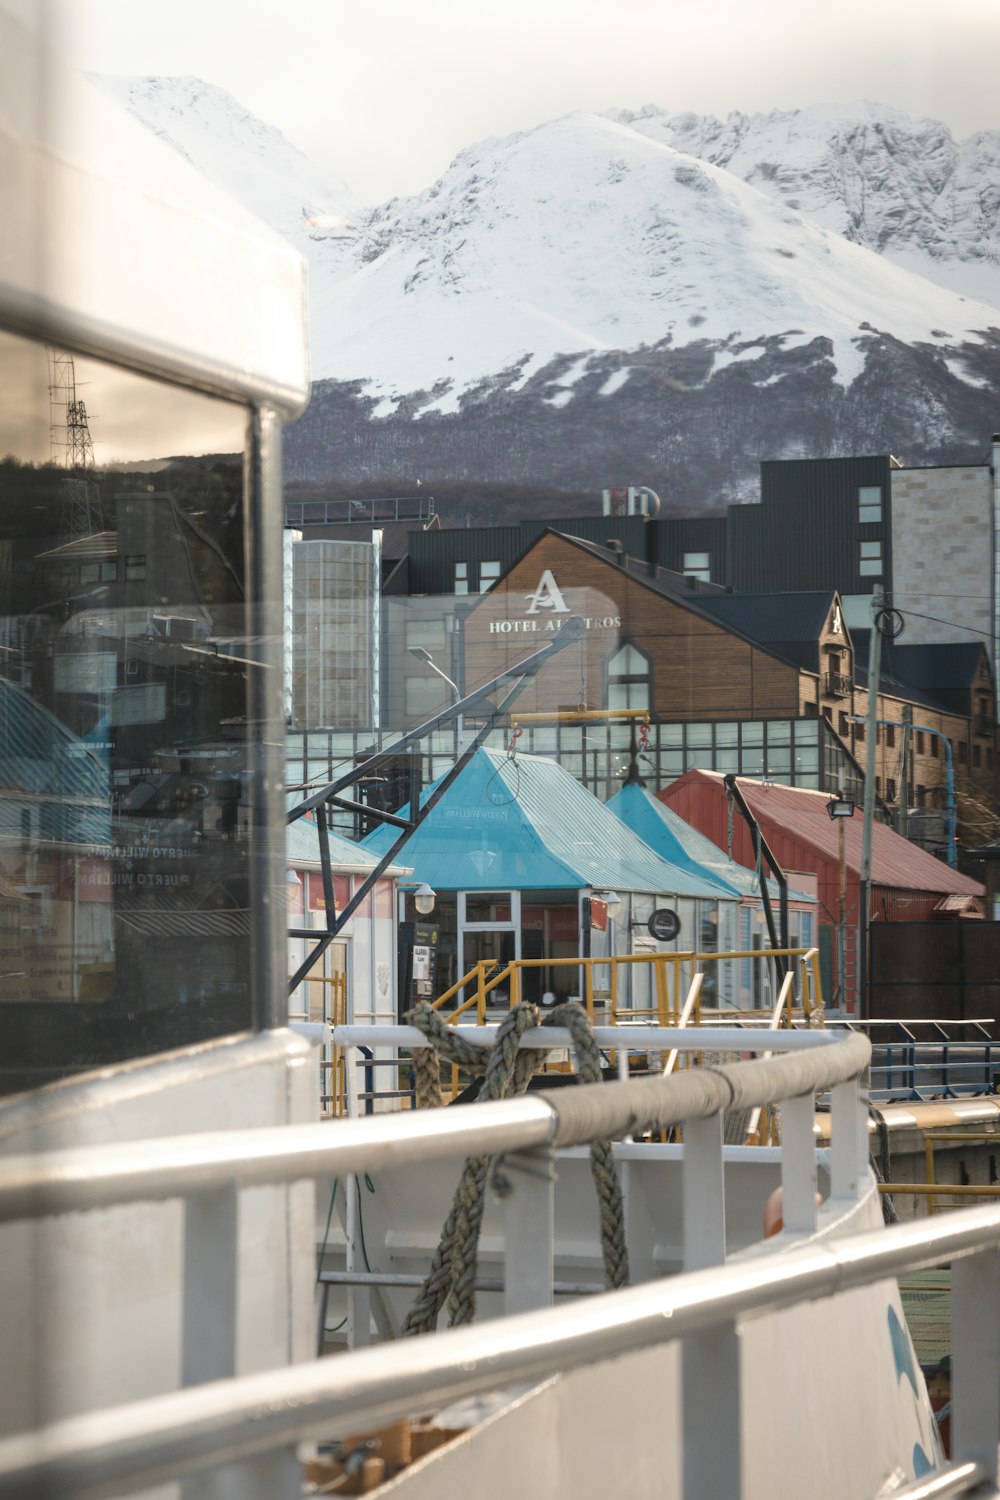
<point x="506" y="1070"/>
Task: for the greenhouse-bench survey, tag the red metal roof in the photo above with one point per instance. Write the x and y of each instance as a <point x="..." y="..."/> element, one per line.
<point x="801" y="814"/>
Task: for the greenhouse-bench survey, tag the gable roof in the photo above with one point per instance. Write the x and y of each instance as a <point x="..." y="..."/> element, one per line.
<point x="666" y="832"/>
<point x="939" y="674"/>
<point x="689" y="594"/>
<point x="774" y="618"/>
<point x="801" y="813"/>
<point x="790" y="624"/>
<point x="524" y="823"/>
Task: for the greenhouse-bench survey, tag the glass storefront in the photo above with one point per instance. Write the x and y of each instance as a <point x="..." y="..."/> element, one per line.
<point x="125" y="674"/>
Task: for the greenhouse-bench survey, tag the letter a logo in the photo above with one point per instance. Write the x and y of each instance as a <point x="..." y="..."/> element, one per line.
<point x="547" y="595"/>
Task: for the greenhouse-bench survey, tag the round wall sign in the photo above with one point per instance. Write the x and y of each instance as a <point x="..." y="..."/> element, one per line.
<point x="664" y="925"/>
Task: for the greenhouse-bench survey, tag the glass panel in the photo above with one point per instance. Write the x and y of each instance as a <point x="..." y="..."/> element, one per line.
<point x="753" y="734"/>
<point x="727" y="734"/>
<point x="124" y="893"/>
<point x="487" y="906"/>
<point x="779" y="732"/>
<point x="699" y="734"/>
<point x="869" y="503"/>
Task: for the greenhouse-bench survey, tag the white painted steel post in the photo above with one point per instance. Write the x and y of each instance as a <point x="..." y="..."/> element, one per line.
<point x="704" y="1194"/>
<point x="529" y="1229"/>
<point x="798" y="1165"/>
<point x="211" y="1276"/>
<point x="848" y="1141"/>
<point x="975" y="1359"/>
<point x="711" y="1414"/>
<point x="359" y="1300"/>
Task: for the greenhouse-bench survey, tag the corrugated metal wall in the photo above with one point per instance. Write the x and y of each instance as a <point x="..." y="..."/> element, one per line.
<point x="805" y="533"/>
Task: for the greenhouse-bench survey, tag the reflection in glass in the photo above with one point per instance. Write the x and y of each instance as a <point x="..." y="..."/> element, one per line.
<point x="124" y="823"/>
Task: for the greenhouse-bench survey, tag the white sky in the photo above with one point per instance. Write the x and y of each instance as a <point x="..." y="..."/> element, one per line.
<point x="385" y="92"/>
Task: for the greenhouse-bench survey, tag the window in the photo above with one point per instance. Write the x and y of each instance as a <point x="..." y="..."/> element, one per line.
<point x="844" y="727"/>
<point x="628" y="678"/>
<point x="109" y="572"/>
<point x="430" y="634"/>
<point x="135" y="568"/>
<point x="934" y="747"/>
<point x="869" y="504"/>
<point x="977" y="759"/>
<point x="963" y="752"/>
<point x="878" y="786"/>
<point x="921" y="796"/>
<point x="697" y="565"/>
<point x="890" y="790"/>
<point x="920" y="742"/>
<point x="489" y="572"/>
<point x="859" y="734"/>
<point x="890" y="736"/>
<point x="870" y="559"/>
<point x="461" y="578"/>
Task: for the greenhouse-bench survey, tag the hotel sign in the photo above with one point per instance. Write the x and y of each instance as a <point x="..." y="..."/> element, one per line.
<point x="545" y="610"/>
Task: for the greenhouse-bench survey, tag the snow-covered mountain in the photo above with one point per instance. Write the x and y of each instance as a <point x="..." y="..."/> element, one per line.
<point x="646" y="297"/>
<point x="884" y="179"/>
<point x="586" y="237"/>
<point x="249" y="160"/>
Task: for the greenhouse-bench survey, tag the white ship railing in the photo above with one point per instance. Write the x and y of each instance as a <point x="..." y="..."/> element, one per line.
<point x="233" y="1421"/>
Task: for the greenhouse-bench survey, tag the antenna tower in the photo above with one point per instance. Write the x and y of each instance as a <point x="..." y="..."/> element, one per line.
<point x="72" y="448"/>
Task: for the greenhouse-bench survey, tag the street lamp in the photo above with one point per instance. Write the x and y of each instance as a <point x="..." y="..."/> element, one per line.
<point x="840" y="807"/>
<point x="424" y="898"/>
<point x="425" y="656"/>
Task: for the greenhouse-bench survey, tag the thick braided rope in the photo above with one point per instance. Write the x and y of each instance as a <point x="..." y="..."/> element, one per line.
<point x="602" y="1164"/>
<point x="453" y="1267"/>
<point x="505" y="1076"/>
<point x="426" y="1064"/>
<point x="427" y="1077"/>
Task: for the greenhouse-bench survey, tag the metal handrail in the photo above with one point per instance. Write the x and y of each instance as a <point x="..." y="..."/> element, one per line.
<point x="176" y="1166"/>
<point x="187" y="1431"/>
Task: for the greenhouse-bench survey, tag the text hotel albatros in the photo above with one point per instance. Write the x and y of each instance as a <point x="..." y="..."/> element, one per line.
<point x="546" y="611"/>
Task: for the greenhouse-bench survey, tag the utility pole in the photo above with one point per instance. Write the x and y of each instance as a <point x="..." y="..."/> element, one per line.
<point x="871" y="727"/>
<point x="903" y="818"/>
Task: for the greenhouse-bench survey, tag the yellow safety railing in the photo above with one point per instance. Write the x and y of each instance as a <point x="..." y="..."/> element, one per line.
<point x="330" y="1006"/>
<point x="670" y="983"/>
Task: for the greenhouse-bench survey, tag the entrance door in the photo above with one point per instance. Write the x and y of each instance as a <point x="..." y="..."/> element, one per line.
<point x="489" y="930"/>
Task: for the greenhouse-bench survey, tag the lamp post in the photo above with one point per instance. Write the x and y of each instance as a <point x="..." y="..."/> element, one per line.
<point x="425" y="656"/>
<point x="839" y="808"/>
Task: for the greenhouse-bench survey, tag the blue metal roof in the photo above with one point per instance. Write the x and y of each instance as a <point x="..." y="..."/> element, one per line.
<point x="667" y="833"/>
<point x="42" y="760"/>
<point x="523" y="823"/>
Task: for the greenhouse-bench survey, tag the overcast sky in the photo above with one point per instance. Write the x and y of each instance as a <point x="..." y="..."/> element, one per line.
<point x="385" y="92"/>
